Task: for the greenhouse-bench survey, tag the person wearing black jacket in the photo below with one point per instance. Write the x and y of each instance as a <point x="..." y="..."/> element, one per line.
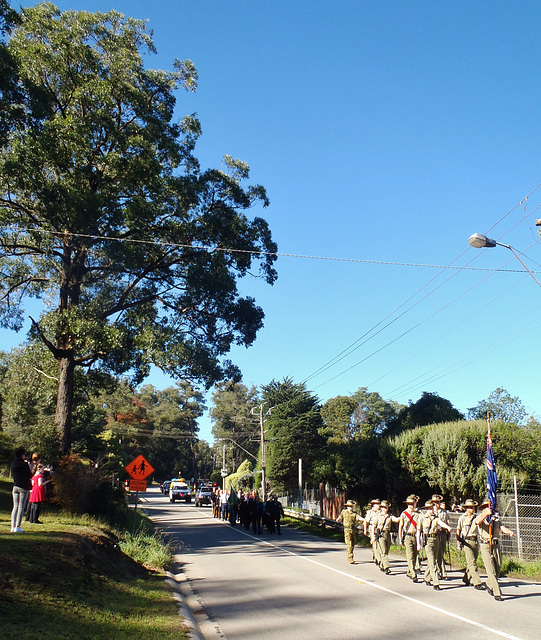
<point x="22" y="483"/>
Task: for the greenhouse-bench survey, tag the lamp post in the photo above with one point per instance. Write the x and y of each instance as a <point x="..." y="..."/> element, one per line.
<point x="480" y="241"/>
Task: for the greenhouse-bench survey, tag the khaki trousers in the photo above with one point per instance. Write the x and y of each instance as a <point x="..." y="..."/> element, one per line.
<point x="471" y="551"/>
<point x="410" y="543"/>
<point x="493" y="565"/>
<point x="431" y="573"/>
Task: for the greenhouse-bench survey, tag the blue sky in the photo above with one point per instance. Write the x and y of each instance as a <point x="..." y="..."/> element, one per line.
<point x="386" y="134"/>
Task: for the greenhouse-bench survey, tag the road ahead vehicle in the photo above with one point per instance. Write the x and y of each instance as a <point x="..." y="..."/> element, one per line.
<point x="179" y="490"/>
<point x="164" y="487"/>
<point x="203" y="495"/>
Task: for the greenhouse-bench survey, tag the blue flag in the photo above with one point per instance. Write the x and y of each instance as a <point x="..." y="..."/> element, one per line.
<point x="492" y="478"/>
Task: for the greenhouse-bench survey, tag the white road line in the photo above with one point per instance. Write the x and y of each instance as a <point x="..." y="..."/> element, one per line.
<point x="374" y="585"/>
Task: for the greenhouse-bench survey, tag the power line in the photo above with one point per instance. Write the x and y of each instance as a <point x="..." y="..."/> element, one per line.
<point x="177" y="245"/>
<point x="357" y="343"/>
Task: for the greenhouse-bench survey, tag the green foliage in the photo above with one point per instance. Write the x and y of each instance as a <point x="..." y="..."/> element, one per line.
<point x="373" y="414"/>
<point x="337" y="414"/>
<point x="148" y="549"/>
<point x="501" y="406"/>
<point x="233" y="421"/>
<point x="243" y="478"/>
<point x="106" y="211"/>
<point x="82" y="487"/>
<point x="450" y="458"/>
<point x="7" y="447"/>
<point x="28" y="390"/>
<point x="293" y="431"/>
<point x="429" y="409"/>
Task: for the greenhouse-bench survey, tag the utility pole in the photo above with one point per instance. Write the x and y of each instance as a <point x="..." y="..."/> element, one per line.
<point x="263" y="449"/>
<point x="223" y="468"/>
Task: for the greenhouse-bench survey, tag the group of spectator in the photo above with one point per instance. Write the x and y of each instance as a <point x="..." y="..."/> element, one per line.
<point x="248" y="510"/>
<point x="30" y="478"/>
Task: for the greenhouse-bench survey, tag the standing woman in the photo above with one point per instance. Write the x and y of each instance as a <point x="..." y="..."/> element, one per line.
<point x="22" y="483"/>
<point x="37" y="495"/>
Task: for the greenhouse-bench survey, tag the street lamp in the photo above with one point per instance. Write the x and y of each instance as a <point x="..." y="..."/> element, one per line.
<point x="480" y="241"/>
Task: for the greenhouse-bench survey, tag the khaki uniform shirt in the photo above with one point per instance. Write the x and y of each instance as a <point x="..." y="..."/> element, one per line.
<point x="371" y="519"/>
<point x="409" y="523"/>
<point x="429" y="525"/>
<point x="483" y="529"/>
<point x="466" y="526"/>
<point x="384" y="521"/>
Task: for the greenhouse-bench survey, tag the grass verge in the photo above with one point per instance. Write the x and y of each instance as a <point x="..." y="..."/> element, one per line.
<point x="74" y="577"/>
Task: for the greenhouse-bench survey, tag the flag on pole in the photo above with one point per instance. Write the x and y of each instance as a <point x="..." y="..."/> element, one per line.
<point x="492" y="478"/>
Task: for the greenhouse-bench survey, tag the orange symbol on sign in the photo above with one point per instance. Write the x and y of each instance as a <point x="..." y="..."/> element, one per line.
<point x="139" y="469"/>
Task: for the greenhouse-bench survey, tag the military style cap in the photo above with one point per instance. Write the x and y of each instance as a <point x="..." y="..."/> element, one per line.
<point x="437" y="498"/>
<point x="428" y="504"/>
<point x="470" y="504"/>
<point x="384" y="503"/>
<point x="411" y="499"/>
<point x="376" y="501"/>
<point x="350" y="503"/>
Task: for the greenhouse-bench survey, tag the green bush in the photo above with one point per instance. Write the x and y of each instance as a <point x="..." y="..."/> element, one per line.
<point x="80" y="486"/>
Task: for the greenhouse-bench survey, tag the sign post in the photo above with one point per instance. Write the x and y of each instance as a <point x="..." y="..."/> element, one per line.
<point x="139" y="469"/>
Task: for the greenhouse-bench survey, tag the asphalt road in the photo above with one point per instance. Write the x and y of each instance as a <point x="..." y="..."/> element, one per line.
<point x="297" y="586"/>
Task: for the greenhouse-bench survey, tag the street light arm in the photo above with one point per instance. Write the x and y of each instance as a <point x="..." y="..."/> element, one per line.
<point x="479" y="241"/>
<point x="508" y="246"/>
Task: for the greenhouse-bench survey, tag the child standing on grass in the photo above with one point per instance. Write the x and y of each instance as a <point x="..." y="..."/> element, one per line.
<point x="37" y="495"/>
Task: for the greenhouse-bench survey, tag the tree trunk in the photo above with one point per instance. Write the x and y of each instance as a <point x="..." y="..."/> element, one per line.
<point x="64" y="403"/>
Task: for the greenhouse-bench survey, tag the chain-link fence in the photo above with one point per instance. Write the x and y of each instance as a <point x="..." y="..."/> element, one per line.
<point x="522" y="514"/>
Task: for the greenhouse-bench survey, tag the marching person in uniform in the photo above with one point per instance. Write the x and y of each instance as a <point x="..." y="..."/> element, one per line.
<point x="383" y="535"/>
<point x="442" y="536"/>
<point x="407" y="534"/>
<point x="370" y="520"/>
<point x="429" y="527"/>
<point x="350" y="519"/>
<point x="489" y="542"/>
<point x="466" y="536"/>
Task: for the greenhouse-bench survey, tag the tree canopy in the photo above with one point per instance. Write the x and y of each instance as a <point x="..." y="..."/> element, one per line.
<point x="293" y="432"/>
<point x="501" y="406"/>
<point x="108" y="218"/>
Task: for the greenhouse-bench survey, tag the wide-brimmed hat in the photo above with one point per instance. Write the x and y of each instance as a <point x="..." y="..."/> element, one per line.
<point x="485" y="503"/>
<point x="350" y="503"/>
<point x="470" y="504"/>
<point x="437" y="498"/>
<point x="376" y="501"/>
<point x="411" y="499"/>
<point x="428" y="504"/>
<point x="384" y="503"/>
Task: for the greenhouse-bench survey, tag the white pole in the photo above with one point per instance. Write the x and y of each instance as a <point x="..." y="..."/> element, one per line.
<point x="517" y="525"/>
<point x="300" y="483"/>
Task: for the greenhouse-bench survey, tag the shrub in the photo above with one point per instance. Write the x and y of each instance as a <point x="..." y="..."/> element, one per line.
<point x="81" y="486"/>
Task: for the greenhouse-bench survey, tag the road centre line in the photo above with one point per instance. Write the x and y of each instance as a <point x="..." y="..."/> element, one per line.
<point x="374" y="585"/>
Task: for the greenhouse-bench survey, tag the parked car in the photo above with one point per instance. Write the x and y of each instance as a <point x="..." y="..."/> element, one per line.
<point x="179" y="490"/>
<point x="164" y="487"/>
<point x="203" y="495"/>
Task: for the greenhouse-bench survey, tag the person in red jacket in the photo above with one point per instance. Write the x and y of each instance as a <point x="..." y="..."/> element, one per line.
<point x="37" y="495"/>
